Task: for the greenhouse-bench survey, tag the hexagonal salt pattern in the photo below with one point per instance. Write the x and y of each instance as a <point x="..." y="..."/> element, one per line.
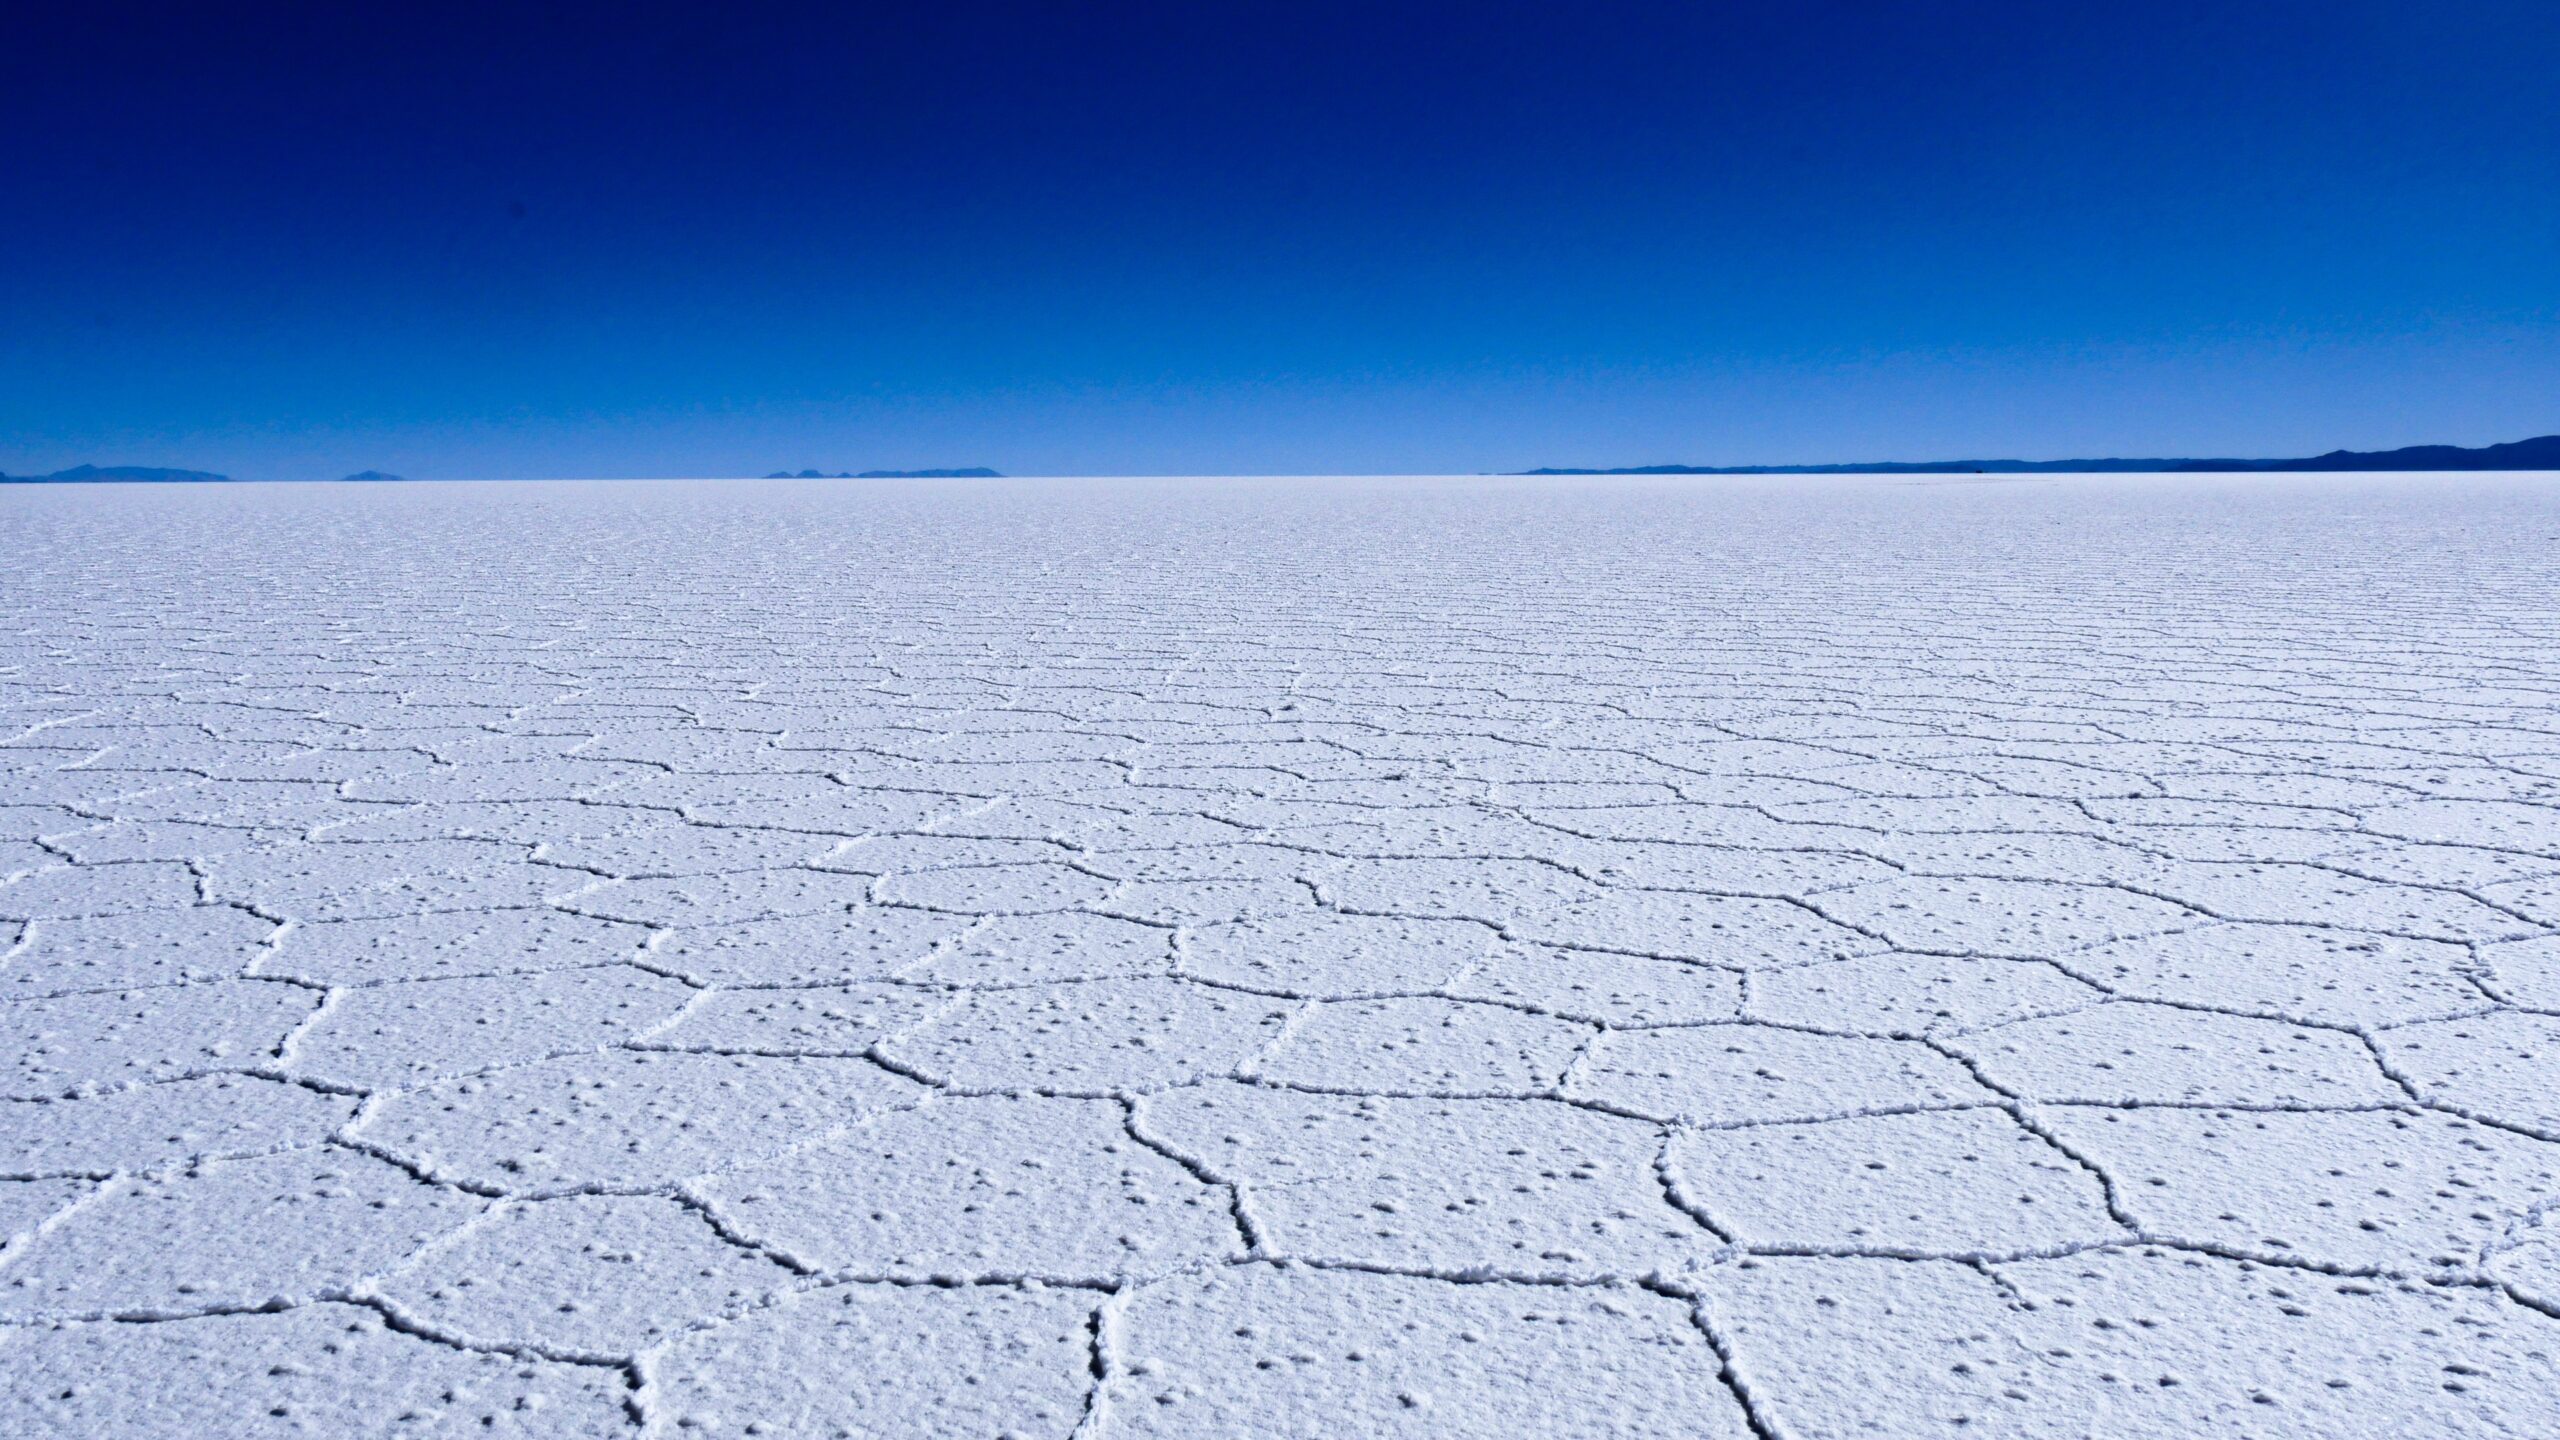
<point x="1409" y="958"/>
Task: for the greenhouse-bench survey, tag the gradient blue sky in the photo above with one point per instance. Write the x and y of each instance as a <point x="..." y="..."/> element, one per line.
<point x="1060" y="238"/>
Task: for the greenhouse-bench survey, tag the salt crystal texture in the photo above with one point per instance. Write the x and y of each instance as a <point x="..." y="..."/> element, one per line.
<point x="1782" y="956"/>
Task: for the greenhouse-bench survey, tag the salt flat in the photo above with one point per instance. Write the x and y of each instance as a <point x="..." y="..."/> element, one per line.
<point x="1795" y="957"/>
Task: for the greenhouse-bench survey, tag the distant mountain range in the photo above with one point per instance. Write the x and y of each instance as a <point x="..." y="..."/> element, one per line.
<point x="2539" y="453"/>
<point x="128" y="474"/>
<point x="974" y="472"/>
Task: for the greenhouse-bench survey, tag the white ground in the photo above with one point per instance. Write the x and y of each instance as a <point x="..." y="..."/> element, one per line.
<point x="1485" y="957"/>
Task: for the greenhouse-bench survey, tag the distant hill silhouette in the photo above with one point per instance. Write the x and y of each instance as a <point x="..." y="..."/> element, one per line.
<point x="102" y="474"/>
<point x="974" y="472"/>
<point x="2540" y="453"/>
<point x="375" y="475"/>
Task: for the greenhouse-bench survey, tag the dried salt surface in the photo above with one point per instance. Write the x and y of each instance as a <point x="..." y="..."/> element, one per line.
<point x="1796" y="957"/>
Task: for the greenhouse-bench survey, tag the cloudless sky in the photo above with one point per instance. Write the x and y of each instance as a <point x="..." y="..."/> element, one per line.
<point x="1057" y="238"/>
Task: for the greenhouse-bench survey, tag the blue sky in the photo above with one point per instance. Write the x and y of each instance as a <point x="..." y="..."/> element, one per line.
<point x="1058" y="239"/>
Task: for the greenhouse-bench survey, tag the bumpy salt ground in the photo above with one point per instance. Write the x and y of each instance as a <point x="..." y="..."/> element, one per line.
<point x="1475" y="957"/>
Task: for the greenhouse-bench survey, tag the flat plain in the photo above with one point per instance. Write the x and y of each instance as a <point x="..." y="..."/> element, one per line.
<point x="1408" y="957"/>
